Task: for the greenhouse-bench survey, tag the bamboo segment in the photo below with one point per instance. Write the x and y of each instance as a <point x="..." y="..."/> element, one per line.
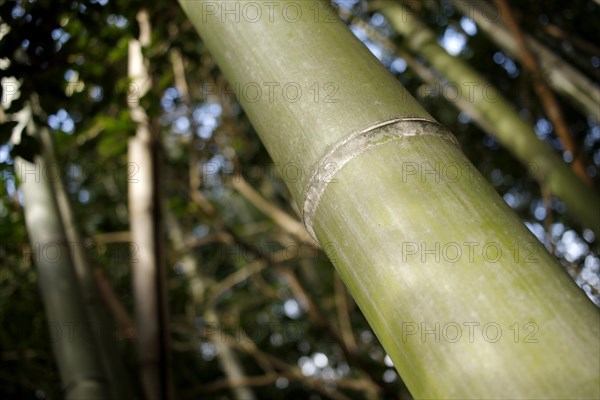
<point x="145" y="220"/>
<point x="118" y="381"/>
<point x="464" y="299"/>
<point x="78" y="360"/>
<point x="464" y="296"/>
<point x="309" y="98"/>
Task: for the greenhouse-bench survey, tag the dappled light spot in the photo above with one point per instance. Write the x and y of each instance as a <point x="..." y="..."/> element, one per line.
<point x="83" y="196"/>
<point x="320" y="360"/>
<point x="398" y="65"/>
<point x="292" y="309"/>
<point x="4" y="153"/>
<point x="359" y="32"/>
<point x="307" y="366"/>
<point x="208" y="351"/>
<point x="366" y="336"/>
<point x="117" y="20"/>
<point x="181" y="125"/>
<point x="61" y="121"/>
<point x="468" y="25"/>
<point x="389" y="376"/>
<point x="507" y="63"/>
<point x="453" y="41"/>
<point x="282" y="383"/>
<point x="388" y="361"/>
<point x="345" y="4"/>
<point x="543" y="128"/>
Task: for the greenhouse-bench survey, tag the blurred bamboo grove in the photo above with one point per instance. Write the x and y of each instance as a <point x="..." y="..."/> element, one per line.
<point x="157" y="182"/>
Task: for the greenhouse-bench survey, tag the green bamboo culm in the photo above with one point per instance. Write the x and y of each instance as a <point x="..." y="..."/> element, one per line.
<point x="465" y="300"/>
<point x="101" y="335"/>
<point x="514" y="133"/>
<point x="78" y="360"/>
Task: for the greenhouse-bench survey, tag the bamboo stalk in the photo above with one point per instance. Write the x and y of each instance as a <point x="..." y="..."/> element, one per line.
<point x="97" y="314"/>
<point x="516" y="135"/>
<point x="545" y="95"/>
<point x="79" y="362"/>
<point x="563" y="77"/>
<point x="145" y="215"/>
<point x="389" y="195"/>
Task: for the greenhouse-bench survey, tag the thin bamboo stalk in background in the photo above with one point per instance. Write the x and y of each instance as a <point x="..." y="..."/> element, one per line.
<point x="79" y="362"/>
<point x="145" y="215"/>
<point x="582" y="92"/>
<point x="516" y="135"/>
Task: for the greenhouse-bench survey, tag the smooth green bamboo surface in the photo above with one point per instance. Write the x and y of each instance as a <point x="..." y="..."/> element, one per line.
<point x="72" y="338"/>
<point x="464" y="298"/>
<point x="306" y="50"/>
<point x="417" y="235"/>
